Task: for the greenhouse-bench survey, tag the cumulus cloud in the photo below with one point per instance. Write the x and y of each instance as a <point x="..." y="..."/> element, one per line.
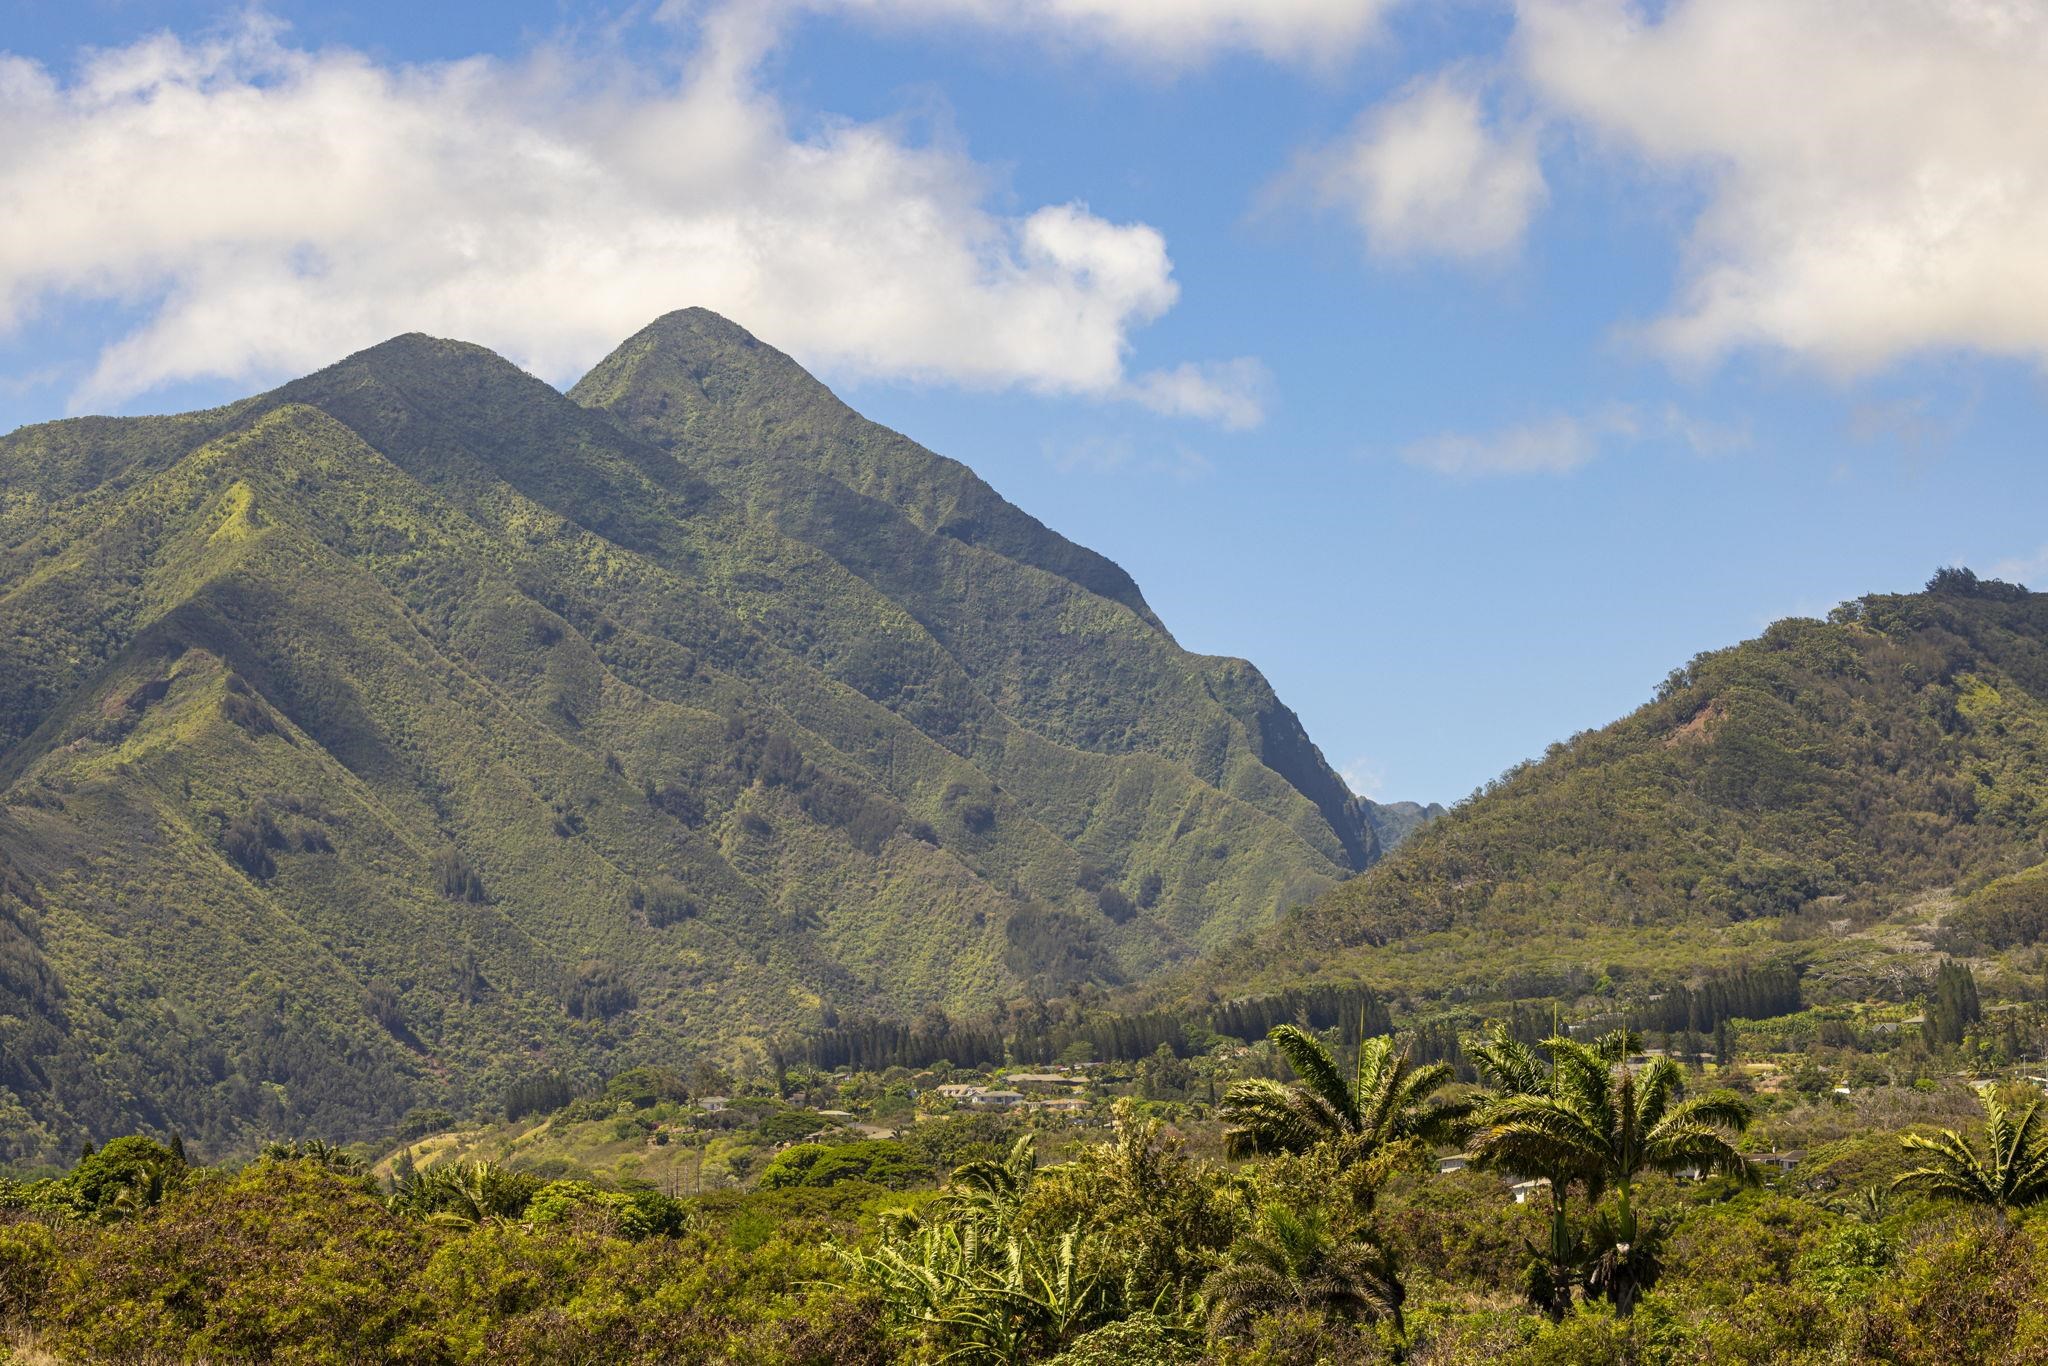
<point x="1425" y="174"/>
<point x="1564" y="442"/>
<point x="269" y="209"/>
<point x="1160" y="32"/>
<point x="1365" y="777"/>
<point x="1552" y="445"/>
<point x="1876" y="171"/>
<point x="2023" y="568"/>
<point x="1232" y="392"/>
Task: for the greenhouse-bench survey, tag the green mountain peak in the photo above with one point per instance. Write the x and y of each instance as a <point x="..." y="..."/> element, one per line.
<point x="386" y="738"/>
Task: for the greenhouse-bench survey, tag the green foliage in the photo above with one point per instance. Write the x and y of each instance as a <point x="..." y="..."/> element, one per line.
<point x="1588" y="1119"/>
<point x="1293" y="1262"/>
<point x="1128" y="1248"/>
<point x="538" y="1096"/>
<point x="2012" y="1175"/>
<point x="1370" y="1123"/>
<point x="880" y="1161"/>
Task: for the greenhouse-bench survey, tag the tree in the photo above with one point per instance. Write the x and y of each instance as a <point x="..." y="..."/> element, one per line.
<point x="1294" y="1261"/>
<point x="2013" y="1175"/>
<point x="985" y="1300"/>
<point x="124" y="1178"/>
<point x="1955" y="1006"/>
<point x="1509" y="1067"/>
<point x="317" y="1151"/>
<point x="1601" y="1124"/>
<point x="464" y="1194"/>
<point x="990" y="1190"/>
<point x="1375" y="1118"/>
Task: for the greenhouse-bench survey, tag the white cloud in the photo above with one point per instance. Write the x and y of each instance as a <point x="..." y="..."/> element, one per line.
<point x="1552" y="445"/>
<point x="1160" y="32"/>
<point x="271" y="209"/>
<point x="1563" y="442"/>
<point x="1366" y="778"/>
<point x="2023" y="568"/>
<point x="1424" y="174"/>
<point x="1876" y="171"/>
<point x="1232" y="392"/>
<point x="1103" y="454"/>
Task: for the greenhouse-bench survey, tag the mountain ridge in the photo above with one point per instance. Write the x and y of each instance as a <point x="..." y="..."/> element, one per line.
<point x="388" y="737"/>
<point x="1819" y="795"/>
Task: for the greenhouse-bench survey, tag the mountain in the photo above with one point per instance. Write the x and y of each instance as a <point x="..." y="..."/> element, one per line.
<point x="1393" y="822"/>
<point x="414" y="728"/>
<point x="1850" y="795"/>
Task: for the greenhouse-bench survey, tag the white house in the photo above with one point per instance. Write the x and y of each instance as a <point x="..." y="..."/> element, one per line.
<point x="996" y="1100"/>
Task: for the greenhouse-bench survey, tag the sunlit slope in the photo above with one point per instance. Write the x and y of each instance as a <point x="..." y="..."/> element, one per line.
<point x="1052" y="634"/>
<point x="1783" y="792"/>
<point x="413" y="728"/>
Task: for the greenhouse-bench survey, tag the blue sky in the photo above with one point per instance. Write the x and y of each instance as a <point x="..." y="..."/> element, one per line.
<point x="1465" y="365"/>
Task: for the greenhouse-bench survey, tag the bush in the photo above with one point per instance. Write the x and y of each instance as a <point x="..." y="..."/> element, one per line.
<point x="880" y="1161"/>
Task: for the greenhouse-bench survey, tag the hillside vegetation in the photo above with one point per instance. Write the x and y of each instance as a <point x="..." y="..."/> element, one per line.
<point x="413" y="729"/>
<point x="1846" y="795"/>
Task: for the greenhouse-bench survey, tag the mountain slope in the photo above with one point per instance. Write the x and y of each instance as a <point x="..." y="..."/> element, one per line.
<point x="1784" y="795"/>
<point x="413" y="728"/>
<point x="1037" y="634"/>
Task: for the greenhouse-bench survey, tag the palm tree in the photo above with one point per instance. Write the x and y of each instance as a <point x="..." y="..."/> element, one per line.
<point x="1869" y="1205"/>
<point x="464" y="1194"/>
<point x="1510" y="1067"/>
<point x="1383" y="1110"/>
<point x="317" y="1151"/>
<point x="2014" y="1176"/>
<point x="985" y="1300"/>
<point x="990" y="1189"/>
<point x="1294" y="1261"/>
<point x="1601" y="1124"/>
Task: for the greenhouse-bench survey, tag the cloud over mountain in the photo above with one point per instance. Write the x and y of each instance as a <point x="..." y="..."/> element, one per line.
<point x="1875" y="173"/>
<point x="264" y="207"/>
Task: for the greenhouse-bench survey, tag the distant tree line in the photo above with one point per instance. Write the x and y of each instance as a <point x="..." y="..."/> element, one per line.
<point x="879" y="1044"/>
<point x="1107" y="1038"/>
<point x="1741" y="994"/>
<point x="1356" y="1010"/>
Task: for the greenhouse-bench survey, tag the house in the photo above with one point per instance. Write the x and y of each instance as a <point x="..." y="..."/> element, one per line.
<point x="960" y="1090"/>
<point x="1780" y="1162"/>
<point x="711" y="1105"/>
<point x="1044" y="1079"/>
<point x="1061" y="1105"/>
<point x="1456" y="1162"/>
<point x="1524" y="1191"/>
<point x="835" y="1114"/>
<point x="996" y="1100"/>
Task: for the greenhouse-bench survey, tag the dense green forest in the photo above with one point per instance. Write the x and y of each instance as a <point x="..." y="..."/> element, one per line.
<point x="1822" y="1191"/>
<point x="367" y="740"/>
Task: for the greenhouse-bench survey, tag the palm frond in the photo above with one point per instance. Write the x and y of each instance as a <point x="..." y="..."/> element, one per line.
<point x="1319" y="1073"/>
